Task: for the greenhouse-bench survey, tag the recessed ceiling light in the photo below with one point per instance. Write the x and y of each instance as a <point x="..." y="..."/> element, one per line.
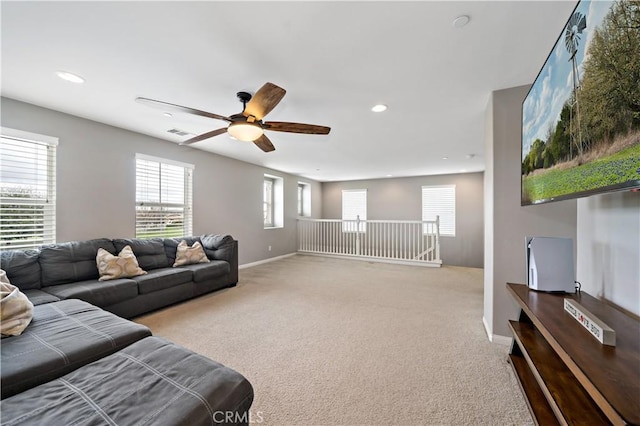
<point x="168" y="114"/>
<point x="445" y="158"/>
<point x="74" y="78"/>
<point x="389" y="175"/>
<point x="379" y="108"/>
<point x="463" y="170"/>
<point x="470" y="156"/>
<point x="461" y="21"/>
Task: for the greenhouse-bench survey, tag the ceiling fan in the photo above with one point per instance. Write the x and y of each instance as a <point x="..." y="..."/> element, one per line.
<point x="247" y="125"/>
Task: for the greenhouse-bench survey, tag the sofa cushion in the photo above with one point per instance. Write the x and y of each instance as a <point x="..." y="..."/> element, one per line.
<point x="208" y="271"/>
<point x="218" y="246"/>
<point x="99" y="293"/>
<point x="159" y="279"/>
<point x="150" y="253"/>
<point x="124" y="265"/>
<point x="190" y="255"/>
<point x="171" y="246"/>
<point x="216" y="241"/>
<point x="152" y="381"/>
<point x="63" y="336"/>
<point x="39" y="297"/>
<point x="71" y="262"/>
<point x="22" y="267"/>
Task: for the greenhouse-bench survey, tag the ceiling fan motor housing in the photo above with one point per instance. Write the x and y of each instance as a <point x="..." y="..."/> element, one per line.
<point x="244" y="97"/>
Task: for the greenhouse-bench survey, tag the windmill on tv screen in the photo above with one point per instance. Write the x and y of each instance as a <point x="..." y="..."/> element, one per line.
<point x="581" y="117"/>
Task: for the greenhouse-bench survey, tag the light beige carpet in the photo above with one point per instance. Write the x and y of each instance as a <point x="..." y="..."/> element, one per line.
<point x="343" y="342"/>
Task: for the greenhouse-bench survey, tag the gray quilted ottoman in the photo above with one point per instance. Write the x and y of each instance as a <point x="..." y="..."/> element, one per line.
<point x="151" y="382"/>
<point x="62" y="336"/>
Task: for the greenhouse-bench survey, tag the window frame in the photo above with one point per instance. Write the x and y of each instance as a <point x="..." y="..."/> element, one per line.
<point x="446" y="213"/>
<point x="186" y="205"/>
<point x="43" y="232"/>
<point x="349" y="227"/>
<point x="277" y="201"/>
<point x="268" y="206"/>
<point x="304" y="199"/>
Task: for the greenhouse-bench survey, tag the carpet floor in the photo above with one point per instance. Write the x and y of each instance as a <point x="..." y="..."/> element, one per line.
<point x="341" y="342"/>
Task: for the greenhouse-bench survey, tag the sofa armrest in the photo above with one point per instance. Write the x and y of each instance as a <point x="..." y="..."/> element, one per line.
<point x="223" y="247"/>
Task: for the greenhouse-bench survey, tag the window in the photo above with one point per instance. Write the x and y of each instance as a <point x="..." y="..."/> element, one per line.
<point x="273" y="201"/>
<point x="354" y="207"/>
<point x="267" y="200"/>
<point x="304" y="199"/>
<point x="27" y="189"/>
<point x="163" y="198"/>
<point x="440" y="201"/>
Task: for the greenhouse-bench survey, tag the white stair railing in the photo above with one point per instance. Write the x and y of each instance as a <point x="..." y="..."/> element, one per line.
<point x="404" y="241"/>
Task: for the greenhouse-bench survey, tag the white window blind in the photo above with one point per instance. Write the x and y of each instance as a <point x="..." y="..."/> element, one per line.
<point x="163" y="198"/>
<point x="354" y="206"/>
<point x="267" y="202"/>
<point x="27" y="190"/>
<point x="440" y="201"/>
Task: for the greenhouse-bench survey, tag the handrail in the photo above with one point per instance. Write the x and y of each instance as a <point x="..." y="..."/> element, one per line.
<point x="411" y="241"/>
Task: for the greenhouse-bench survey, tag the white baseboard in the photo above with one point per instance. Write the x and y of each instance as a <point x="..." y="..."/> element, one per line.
<point x="261" y="262"/>
<point x="496" y="338"/>
<point x="434" y="264"/>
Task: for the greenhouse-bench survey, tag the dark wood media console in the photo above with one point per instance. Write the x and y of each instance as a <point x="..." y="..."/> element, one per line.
<point x="567" y="376"/>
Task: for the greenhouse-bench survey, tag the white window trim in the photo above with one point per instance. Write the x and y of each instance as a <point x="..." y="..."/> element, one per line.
<point x="187" y="205"/>
<point x="306" y="200"/>
<point x="348" y="227"/>
<point x="28" y="136"/>
<point x="49" y="218"/>
<point x="442" y="217"/>
<point x="278" y="201"/>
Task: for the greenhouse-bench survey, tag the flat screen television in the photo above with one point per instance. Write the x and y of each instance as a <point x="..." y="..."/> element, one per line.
<point x="581" y="117"/>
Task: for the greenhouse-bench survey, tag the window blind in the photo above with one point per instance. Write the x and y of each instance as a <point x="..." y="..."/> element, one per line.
<point x="27" y="190"/>
<point x="354" y="205"/>
<point x="163" y="198"/>
<point x="440" y="201"/>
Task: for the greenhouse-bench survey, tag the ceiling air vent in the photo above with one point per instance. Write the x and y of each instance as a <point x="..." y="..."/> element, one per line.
<point x="178" y="132"/>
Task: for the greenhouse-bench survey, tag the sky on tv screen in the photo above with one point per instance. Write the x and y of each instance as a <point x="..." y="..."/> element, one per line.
<point x="553" y="86"/>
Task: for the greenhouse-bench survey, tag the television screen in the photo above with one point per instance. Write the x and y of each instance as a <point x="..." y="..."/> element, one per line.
<point x="581" y="117"/>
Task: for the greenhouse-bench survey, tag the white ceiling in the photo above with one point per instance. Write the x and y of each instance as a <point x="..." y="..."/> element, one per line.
<point x="335" y="59"/>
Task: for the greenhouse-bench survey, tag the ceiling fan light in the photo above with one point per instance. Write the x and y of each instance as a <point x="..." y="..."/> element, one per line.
<point x="245" y="131"/>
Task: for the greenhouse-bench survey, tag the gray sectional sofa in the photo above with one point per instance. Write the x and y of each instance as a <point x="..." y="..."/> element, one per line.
<point x="68" y="271"/>
<point x="78" y="363"/>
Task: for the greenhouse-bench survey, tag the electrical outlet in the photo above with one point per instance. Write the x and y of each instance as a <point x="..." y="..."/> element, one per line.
<point x="269" y="248"/>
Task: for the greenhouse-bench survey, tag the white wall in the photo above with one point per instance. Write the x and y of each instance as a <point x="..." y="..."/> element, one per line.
<point x="507" y="223"/>
<point x="401" y="199"/>
<point x="609" y="248"/>
<point x="96" y="184"/>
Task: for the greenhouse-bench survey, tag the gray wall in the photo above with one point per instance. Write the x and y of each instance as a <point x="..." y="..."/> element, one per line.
<point x="507" y="223"/>
<point x="96" y="184"/>
<point x="609" y="248"/>
<point x="401" y="199"/>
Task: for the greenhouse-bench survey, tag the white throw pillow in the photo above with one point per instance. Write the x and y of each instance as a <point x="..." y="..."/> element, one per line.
<point x="186" y="255"/>
<point x="16" y="310"/>
<point x="124" y="265"/>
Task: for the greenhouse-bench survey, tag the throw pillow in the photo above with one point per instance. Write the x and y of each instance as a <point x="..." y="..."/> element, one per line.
<point x="16" y="310"/>
<point x="124" y="265"/>
<point x="186" y="255"/>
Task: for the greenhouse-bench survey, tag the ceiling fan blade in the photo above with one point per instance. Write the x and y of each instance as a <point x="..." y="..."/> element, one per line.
<point x="310" y="129"/>
<point x="179" y="108"/>
<point x="265" y="99"/>
<point x="204" y="136"/>
<point x="264" y="144"/>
